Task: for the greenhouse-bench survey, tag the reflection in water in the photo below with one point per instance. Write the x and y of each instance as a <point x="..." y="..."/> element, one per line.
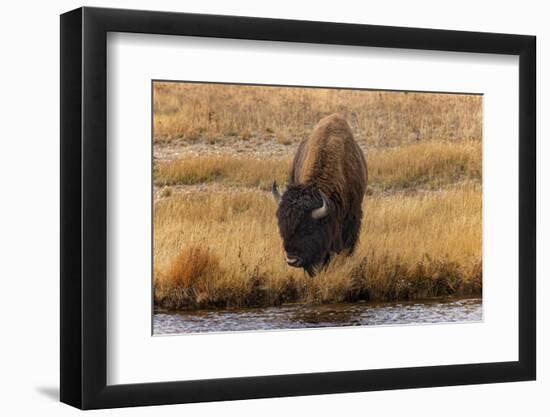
<point x="329" y="315"/>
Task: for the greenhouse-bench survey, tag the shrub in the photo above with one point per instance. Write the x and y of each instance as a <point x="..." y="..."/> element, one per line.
<point x="192" y="267"/>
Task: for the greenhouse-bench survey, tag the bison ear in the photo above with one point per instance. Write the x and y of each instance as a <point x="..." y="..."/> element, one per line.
<point x="275" y="192"/>
<point x="322" y="211"/>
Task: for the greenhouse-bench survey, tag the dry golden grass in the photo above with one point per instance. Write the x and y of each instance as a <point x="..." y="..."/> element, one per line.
<point x="211" y="112"/>
<point x="191" y="267"/>
<point x="231" y="170"/>
<point x="429" y="164"/>
<point x="411" y="246"/>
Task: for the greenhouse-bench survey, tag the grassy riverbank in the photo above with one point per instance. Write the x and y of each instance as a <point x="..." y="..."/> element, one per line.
<point x="223" y="249"/>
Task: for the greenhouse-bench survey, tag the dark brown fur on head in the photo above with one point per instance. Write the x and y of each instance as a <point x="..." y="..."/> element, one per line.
<point x="305" y="239"/>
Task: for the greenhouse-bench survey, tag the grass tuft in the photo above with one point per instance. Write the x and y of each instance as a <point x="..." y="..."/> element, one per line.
<point x="192" y="267"/>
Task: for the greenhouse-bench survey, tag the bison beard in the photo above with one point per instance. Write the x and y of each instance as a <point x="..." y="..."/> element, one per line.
<point x="320" y="212"/>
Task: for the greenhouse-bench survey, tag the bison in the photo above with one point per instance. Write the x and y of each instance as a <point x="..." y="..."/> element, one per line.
<point x="320" y="212"/>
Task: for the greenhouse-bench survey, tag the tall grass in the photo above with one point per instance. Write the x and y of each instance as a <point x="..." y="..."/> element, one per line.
<point x="430" y="164"/>
<point x="245" y="171"/>
<point x="223" y="249"/>
<point x="194" y="112"/>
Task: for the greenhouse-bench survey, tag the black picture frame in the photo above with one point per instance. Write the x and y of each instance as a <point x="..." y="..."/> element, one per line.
<point x="84" y="207"/>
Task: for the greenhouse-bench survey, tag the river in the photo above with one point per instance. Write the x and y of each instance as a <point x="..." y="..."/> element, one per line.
<point x="326" y="315"/>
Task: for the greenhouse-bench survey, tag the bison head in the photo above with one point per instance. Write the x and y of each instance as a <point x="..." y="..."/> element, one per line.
<point x="304" y="217"/>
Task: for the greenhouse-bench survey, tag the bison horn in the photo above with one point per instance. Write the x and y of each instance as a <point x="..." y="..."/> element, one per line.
<point x="275" y="192"/>
<point x="322" y="211"/>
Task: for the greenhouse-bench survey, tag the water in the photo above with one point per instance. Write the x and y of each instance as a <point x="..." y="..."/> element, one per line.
<point x="328" y="315"/>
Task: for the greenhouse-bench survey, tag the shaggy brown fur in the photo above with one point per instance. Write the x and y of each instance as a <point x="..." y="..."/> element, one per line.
<point x="332" y="163"/>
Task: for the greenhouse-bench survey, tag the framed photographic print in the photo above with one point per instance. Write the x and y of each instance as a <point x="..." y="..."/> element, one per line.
<point x="256" y="207"/>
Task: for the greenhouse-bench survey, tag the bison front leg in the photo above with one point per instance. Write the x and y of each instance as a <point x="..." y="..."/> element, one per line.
<point x="350" y="232"/>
